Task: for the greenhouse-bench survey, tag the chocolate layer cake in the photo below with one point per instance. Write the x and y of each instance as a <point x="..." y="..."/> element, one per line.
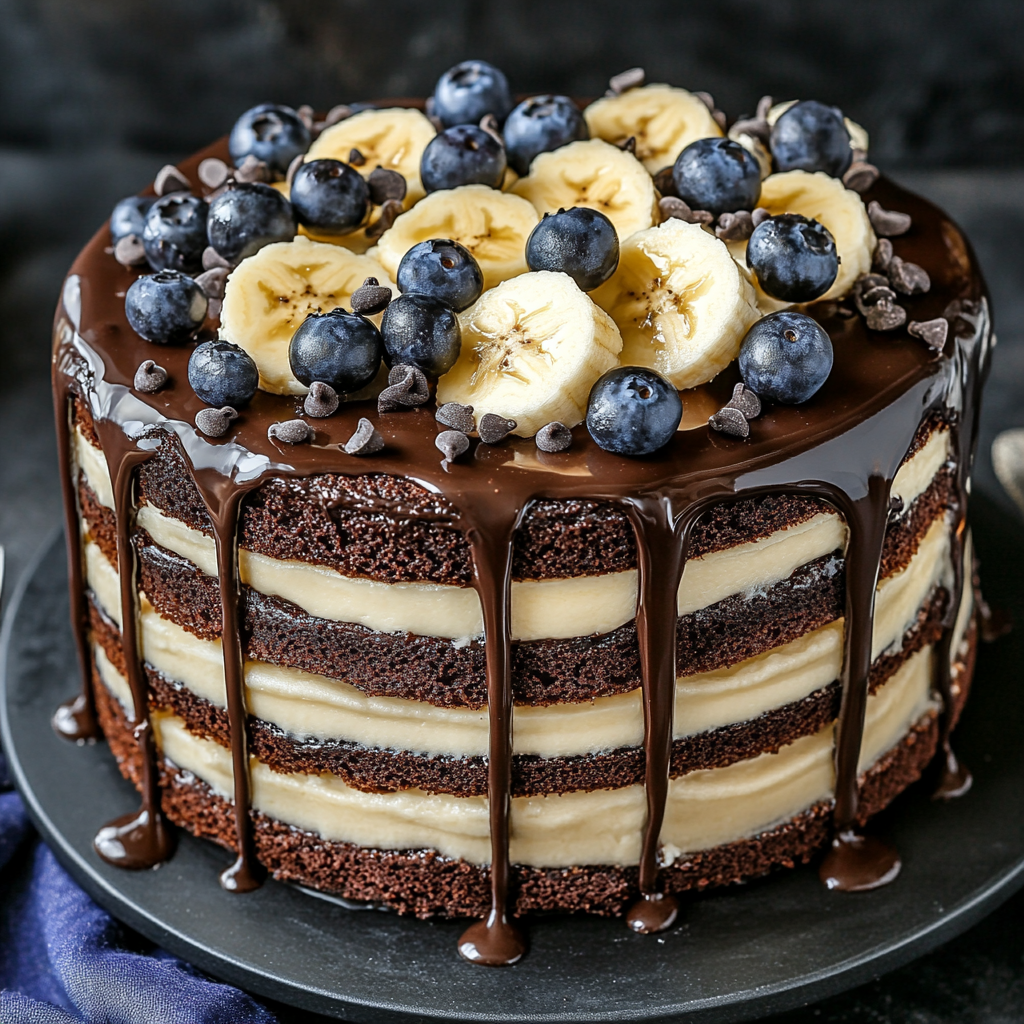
<point x="489" y="665"/>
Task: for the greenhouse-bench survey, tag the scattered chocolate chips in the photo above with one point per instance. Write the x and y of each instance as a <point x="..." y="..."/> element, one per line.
<point x="170" y="179"/>
<point x="213" y="172"/>
<point x="735" y="227"/>
<point x="290" y="431"/>
<point x="932" y="332"/>
<point x="626" y="80"/>
<point x="908" y="278"/>
<point x="886" y="316"/>
<point x="370" y="297"/>
<point x="388" y="213"/>
<point x="880" y="293"/>
<point x="706" y="98"/>
<point x="322" y="400"/>
<point x="129" y="251"/>
<point x="887" y="223"/>
<point x="673" y="208"/>
<point x="407" y="386"/>
<point x="252" y="169"/>
<point x="764" y="105"/>
<point x="293" y="167"/>
<point x="213" y="259"/>
<point x="149" y="377"/>
<point x="752" y="126"/>
<point x="882" y="256"/>
<point x="451" y="444"/>
<point x="759" y="216"/>
<point x="628" y="145"/>
<point x="746" y="400"/>
<point x="365" y="441"/>
<point x="494" y="428"/>
<point x="305" y="113"/>
<point x="718" y="116"/>
<point x="489" y="123"/>
<point x="215" y="422"/>
<point x="212" y="282"/>
<point x="456" y="417"/>
<point x="335" y="114"/>
<point x="860" y="176"/>
<point x="553" y="437"/>
<point x="385" y="185"/>
<point x="664" y="182"/>
<point x="355" y="158"/>
<point x="729" y="421"/>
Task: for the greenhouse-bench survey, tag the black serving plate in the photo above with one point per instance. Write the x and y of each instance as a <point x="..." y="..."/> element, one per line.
<point x="738" y="953"/>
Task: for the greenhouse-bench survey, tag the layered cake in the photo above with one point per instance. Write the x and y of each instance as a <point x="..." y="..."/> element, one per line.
<point x="478" y="508"/>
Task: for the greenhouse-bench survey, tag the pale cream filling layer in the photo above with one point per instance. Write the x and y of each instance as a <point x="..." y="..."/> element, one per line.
<point x="704" y="808"/>
<point x="540" y="609"/>
<point x="313" y="706"/>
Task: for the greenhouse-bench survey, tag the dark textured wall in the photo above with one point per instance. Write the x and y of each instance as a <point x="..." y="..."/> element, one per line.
<point x="937" y="82"/>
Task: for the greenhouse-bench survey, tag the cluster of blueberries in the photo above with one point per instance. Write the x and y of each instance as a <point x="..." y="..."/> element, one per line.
<point x="786" y="356"/>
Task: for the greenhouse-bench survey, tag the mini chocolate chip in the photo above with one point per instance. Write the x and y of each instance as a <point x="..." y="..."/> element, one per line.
<point x="290" y="431"/>
<point x="407" y="386"/>
<point x="626" y="80"/>
<point x="735" y="227"/>
<point x="730" y="421"/>
<point x="436" y="122"/>
<point x="385" y="185"/>
<point x="213" y="259"/>
<point x="753" y="127"/>
<point x="887" y="223"/>
<point x="215" y="422"/>
<point x="365" y="441"/>
<point x="764" y="104"/>
<point x="882" y="256"/>
<point x="494" y="428"/>
<point x="553" y="437"/>
<point x="305" y="113"/>
<point x="858" y="156"/>
<point x="170" y="179"/>
<point x="489" y="123"/>
<point x="706" y="98"/>
<point x="293" y="167"/>
<point x="213" y="172"/>
<point x="213" y="308"/>
<point x="860" y="176"/>
<point x="321" y="401"/>
<point x="759" y="216"/>
<point x="628" y="145"/>
<point x="336" y="114"/>
<point x="129" y="251"/>
<point x="451" y="444"/>
<point x="908" y="278"/>
<point x="665" y="183"/>
<point x="212" y="282"/>
<point x="370" y="297"/>
<point x="886" y="316"/>
<point x="880" y="293"/>
<point x="673" y="208"/>
<point x="355" y="158"/>
<point x="718" y="116"/>
<point x="456" y="416"/>
<point x="932" y="332"/>
<point x="149" y="377"/>
<point x="745" y="400"/>
<point x="388" y="213"/>
<point x="252" y="169"/>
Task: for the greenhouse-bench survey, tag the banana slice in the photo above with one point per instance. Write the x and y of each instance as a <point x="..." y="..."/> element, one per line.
<point x="492" y="225"/>
<point x="532" y="349"/>
<point x="680" y="301"/>
<point x="664" y="120"/>
<point x="394" y="139"/>
<point x="594" y="174"/>
<point x="268" y="295"/>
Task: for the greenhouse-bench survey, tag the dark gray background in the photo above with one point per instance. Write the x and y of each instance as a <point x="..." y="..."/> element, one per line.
<point x="95" y="95"/>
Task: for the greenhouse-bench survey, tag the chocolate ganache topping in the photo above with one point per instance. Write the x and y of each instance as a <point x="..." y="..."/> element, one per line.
<point x="844" y="445"/>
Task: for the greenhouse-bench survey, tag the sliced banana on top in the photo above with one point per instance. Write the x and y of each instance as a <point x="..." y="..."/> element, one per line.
<point x="393" y="139"/>
<point x="664" y="120"/>
<point x="492" y="225"/>
<point x="532" y="349"/>
<point x="593" y="174"/>
<point x="267" y="297"/>
<point x="680" y="302"/>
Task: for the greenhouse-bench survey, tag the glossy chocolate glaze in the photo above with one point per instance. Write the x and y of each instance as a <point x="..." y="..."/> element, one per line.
<point x="844" y="445"/>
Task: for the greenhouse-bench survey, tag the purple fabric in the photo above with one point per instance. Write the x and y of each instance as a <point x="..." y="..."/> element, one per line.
<point x="64" y="960"/>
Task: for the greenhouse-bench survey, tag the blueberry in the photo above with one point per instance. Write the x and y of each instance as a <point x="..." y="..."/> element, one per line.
<point x="271" y="133"/>
<point x="246" y="217"/>
<point x="421" y="331"/>
<point x="329" y="196"/>
<point x="811" y="136"/>
<point x="443" y="269"/>
<point x="174" y="235"/>
<point x="717" y="175"/>
<point x="633" y="411"/>
<point x="463" y="155"/>
<point x="794" y="258"/>
<point x="468" y="91"/>
<point x="129" y="217"/>
<point x="785" y="356"/>
<point x="540" y="124"/>
<point x="338" y="348"/>
<point x="579" y="242"/>
<point x="166" y="306"/>
<point x="222" y="374"/>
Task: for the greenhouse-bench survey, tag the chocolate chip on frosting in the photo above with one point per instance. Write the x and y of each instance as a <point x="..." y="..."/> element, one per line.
<point x="746" y="400"/>
<point x="305" y="113"/>
<point x="764" y="105"/>
<point x="626" y="80"/>
<point x="149" y="377"/>
<point x="355" y="158"/>
<point x="337" y="113"/>
<point x="365" y="441"/>
<point x="252" y="169"/>
<point x="882" y="256"/>
<point x="494" y="428"/>
<point x="908" y="278"/>
<point x="673" y="208"/>
<point x="489" y="123"/>
<point x="370" y="297"/>
<point x="456" y="417"/>
<point x="213" y="172"/>
<point x="886" y="316"/>
<point x="290" y="431"/>
<point x="212" y="259"/>
<point x="391" y="209"/>
<point x="407" y="386"/>
<point x="385" y="184"/>
<point x="752" y="126"/>
<point x="170" y="179"/>
<point x="129" y="251"/>
<point x="212" y="282"/>
<point x="887" y="223"/>
<point x="628" y="145"/>
<point x="296" y="163"/>
<point x="451" y="444"/>
<point x="759" y="216"/>
<point x="553" y="437"/>
<point x="215" y="422"/>
<point x="735" y="227"/>
<point x="322" y="400"/>
<point x="932" y="332"/>
<point x="860" y="176"/>
<point x="729" y="421"/>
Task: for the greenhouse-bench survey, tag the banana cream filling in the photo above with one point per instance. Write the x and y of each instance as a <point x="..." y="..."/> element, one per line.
<point x="704" y="809"/>
<point x="313" y="706"/>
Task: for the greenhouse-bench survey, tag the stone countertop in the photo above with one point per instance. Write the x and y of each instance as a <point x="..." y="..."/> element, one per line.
<point x="52" y="203"/>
